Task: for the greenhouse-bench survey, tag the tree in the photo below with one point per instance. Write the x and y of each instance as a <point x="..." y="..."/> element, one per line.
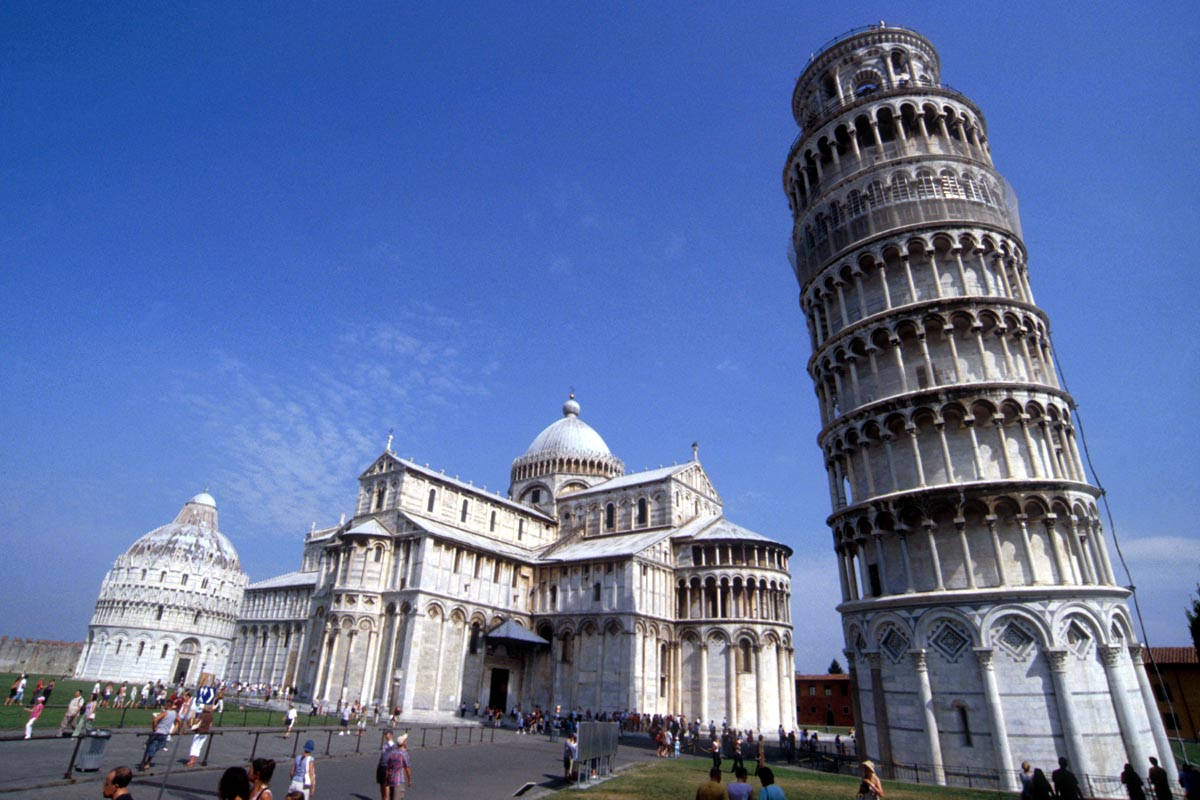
<point x="836" y="669"/>
<point x="1193" y="618"/>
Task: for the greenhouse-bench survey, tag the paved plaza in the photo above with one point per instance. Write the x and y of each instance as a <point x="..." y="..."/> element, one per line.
<point x="491" y="769"/>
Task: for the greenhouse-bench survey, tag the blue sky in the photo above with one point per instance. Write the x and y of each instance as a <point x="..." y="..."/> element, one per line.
<point x="238" y="246"/>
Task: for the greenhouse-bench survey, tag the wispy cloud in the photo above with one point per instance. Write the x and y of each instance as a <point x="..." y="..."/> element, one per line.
<point x="1159" y="549"/>
<point x="287" y="442"/>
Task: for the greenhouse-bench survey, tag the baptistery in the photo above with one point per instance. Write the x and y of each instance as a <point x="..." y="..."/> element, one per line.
<point x="167" y="607"/>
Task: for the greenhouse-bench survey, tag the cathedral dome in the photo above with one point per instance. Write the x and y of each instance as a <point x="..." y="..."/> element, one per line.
<point x="567" y="455"/>
<point x="568" y="436"/>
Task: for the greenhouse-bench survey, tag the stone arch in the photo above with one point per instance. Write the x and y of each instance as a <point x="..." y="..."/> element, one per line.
<point x="992" y="624"/>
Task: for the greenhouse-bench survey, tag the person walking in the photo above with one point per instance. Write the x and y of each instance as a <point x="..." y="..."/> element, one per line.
<point x="19" y="690"/>
<point x="715" y="748"/>
<point x="1159" y="782"/>
<point x="201" y="728"/>
<point x="39" y="704"/>
<point x="291" y="719"/>
<point x="1026" y="776"/>
<point x="570" y="750"/>
<point x="1133" y="783"/>
<point x="1066" y="785"/>
<point x="304" y="772"/>
<point x="74" y="707"/>
<point x="86" y="718"/>
<point x="261" y="771"/>
<point x="389" y="741"/>
<point x="398" y="770"/>
<point x="345" y="714"/>
<point x="870" y="788"/>
<point x="160" y="729"/>
<point x="1039" y="786"/>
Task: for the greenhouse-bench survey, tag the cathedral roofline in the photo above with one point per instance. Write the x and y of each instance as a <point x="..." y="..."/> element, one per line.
<point x="464" y="486"/>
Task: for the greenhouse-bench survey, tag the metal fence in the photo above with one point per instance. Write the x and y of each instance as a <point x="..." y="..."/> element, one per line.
<point x="53" y="760"/>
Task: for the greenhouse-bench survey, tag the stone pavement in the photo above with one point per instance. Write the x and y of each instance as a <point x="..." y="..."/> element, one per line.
<point x="493" y="769"/>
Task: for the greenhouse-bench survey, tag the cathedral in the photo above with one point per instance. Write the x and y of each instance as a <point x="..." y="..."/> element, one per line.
<point x="584" y="587"/>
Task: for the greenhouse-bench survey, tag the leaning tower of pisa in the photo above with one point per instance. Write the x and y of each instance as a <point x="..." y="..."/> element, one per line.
<point x="982" y="619"/>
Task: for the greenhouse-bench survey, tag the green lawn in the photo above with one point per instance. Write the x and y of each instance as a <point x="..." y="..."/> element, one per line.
<point x="670" y="779"/>
<point x="1191" y="749"/>
<point x="14" y="717"/>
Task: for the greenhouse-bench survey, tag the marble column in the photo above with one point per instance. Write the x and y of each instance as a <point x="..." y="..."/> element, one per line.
<point x="370" y="668"/>
<point x="1166" y="758"/>
<point x="883" y="735"/>
<point x="1111" y="656"/>
<point x="932" y="737"/>
<point x="731" y="684"/>
<point x="390" y="661"/>
<point x="991" y="691"/>
<point x="759" y="714"/>
<point x="441" y="653"/>
<point x="704" y="682"/>
<point x="1057" y="659"/>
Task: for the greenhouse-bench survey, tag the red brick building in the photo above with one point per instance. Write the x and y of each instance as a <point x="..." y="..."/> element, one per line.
<point x="1180" y="685"/>
<point x="823" y="700"/>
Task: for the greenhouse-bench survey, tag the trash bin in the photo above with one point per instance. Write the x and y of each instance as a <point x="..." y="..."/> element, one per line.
<point x="92" y="751"/>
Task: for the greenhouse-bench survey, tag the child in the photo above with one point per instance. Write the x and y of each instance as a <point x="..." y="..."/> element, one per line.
<point x="34" y="713"/>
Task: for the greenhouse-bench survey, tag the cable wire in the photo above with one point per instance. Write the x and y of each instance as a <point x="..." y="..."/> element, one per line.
<point x="1112" y="528"/>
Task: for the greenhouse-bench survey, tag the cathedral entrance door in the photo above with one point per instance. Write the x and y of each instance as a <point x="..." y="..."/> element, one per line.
<point x="498" y="695"/>
<point x="181" y="670"/>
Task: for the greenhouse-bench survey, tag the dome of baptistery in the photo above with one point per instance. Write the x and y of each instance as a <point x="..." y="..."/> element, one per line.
<point x="167" y="607"/>
<point x="566" y="456"/>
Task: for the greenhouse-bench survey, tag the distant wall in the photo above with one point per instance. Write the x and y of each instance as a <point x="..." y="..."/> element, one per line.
<point x="40" y="656"/>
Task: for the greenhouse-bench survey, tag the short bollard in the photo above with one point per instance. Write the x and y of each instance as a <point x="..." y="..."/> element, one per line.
<point x="328" y="741"/>
<point x="207" y="749"/>
<point x="74" y="754"/>
<point x="254" y="747"/>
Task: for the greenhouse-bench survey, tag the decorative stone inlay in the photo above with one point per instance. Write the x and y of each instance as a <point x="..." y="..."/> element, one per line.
<point x="1079" y="641"/>
<point x="950" y="641"/>
<point x="895" y="644"/>
<point x="1016" y="640"/>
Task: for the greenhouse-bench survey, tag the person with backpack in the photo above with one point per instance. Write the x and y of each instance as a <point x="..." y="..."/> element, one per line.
<point x="304" y="772"/>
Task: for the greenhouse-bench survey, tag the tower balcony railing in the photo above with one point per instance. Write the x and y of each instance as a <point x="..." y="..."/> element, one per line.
<point x="814" y="118"/>
<point x="872" y="156"/>
<point x="810" y="257"/>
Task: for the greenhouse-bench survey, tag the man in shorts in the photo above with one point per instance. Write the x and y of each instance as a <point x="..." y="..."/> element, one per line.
<point x="398" y="769"/>
<point x="291" y="720"/>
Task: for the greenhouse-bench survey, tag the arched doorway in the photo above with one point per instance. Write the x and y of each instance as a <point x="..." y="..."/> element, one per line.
<point x="185" y="657"/>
